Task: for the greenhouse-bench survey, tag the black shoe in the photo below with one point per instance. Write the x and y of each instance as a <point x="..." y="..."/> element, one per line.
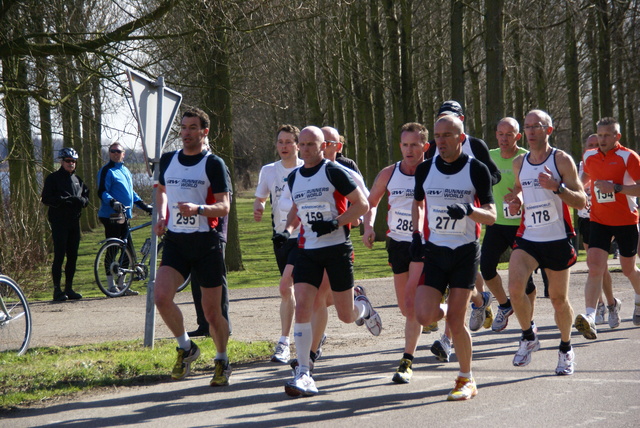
<point x="59" y="296"/>
<point x="72" y="295"/>
<point x="199" y="332"/>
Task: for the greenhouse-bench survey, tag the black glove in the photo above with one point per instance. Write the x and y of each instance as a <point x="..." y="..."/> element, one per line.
<point x="74" y="201"/>
<point x="458" y="211"/>
<point x="323" y="227"/>
<point x="416" y="249"/>
<point x="144" y="207"/>
<point x="279" y="239"/>
<point x="117" y="206"/>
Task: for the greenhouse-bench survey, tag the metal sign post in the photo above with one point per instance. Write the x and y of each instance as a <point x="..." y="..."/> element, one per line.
<point x="156" y="107"/>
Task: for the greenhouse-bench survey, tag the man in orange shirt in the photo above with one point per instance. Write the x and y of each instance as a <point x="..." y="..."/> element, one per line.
<point x="614" y="172"/>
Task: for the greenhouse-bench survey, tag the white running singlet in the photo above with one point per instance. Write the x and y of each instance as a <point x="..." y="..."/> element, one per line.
<point x="400" y="189"/>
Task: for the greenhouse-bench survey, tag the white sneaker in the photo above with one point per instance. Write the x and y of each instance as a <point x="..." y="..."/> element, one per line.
<point x="442" y="348"/>
<point x="478" y="314"/>
<point x="281" y="354"/>
<point x="600" y="312"/>
<point x="586" y="325"/>
<point x="502" y="319"/>
<point x="523" y="355"/>
<point x="614" y="313"/>
<point x="372" y="320"/>
<point x="302" y="384"/>
<point x="358" y="290"/>
<point x="566" y="362"/>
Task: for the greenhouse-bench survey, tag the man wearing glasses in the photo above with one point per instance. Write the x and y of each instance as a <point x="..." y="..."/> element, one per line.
<point x="65" y="194"/>
<point x="546" y="186"/>
<point x="115" y="190"/>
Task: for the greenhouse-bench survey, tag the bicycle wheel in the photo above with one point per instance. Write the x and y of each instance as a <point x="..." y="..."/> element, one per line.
<point x="185" y="283"/>
<point x="15" y="317"/>
<point x="114" y="268"/>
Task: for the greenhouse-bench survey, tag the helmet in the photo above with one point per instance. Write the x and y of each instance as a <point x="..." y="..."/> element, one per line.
<point x="67" y="152"/>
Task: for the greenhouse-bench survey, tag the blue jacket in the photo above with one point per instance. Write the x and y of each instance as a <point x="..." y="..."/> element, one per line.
<point x="115" y="182"/>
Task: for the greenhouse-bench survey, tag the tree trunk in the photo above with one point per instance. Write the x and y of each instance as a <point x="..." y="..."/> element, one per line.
<point x="457" y="53"/>
<point x="590" y="39"/>
<point x="572" y="75"/>
<point x="604" y="58"/>
<point x="494" y="84"/>
<point x="395" y="82"/>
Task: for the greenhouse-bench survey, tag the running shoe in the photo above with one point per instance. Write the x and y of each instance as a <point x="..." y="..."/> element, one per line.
<point x="478" y="314"/>
<point x="442" y="348"/>
<point x="358" y="290"/>
<point x="302" y="384"/>
<point x="427" y="329"/>
<point x="465" y="389"/>
<point x="636" y="314"/>
<point x="600" y="313"/>
<point x="488" y="320"/>
<point x="294" y="363"/>
<point x="130" y="292"/>
<point x="182" y="368"/>
<point x="614" y="313"/>
<point x="221" y="373"/>
<point x="586" y="325"/>
<point x="404" y="372"/>
<point x="281" y="354"/>
<point x="566" y="363"/>
<point x="502" y="318"/>
<point x="523" y="355"/>
<point x="372" y="319"/>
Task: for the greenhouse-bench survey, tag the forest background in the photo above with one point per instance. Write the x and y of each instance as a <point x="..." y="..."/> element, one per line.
<point x="362" y="66"/>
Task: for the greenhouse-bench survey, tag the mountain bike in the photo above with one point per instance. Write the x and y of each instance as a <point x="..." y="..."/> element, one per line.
<point x="15" y="317"/>
<point x="116" y="265"/>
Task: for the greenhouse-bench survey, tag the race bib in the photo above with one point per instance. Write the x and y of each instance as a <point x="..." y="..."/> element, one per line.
<point x="400" y="221"/>
<point x="604" y="198"/>
<point x="314" y="211"/>
<point x="538" y="214"/>
<point x="507" y="215"/>
<point x="181" y="222"/>
<point x="441" y="223"/>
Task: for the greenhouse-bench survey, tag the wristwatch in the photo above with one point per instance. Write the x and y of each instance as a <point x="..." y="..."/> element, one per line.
<point x="201" y="210"/>
<point x="617" y="188"/>
<point x="561" y="189"/>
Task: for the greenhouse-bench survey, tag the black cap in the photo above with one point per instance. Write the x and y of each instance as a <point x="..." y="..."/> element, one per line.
<point x="450" y="107"/>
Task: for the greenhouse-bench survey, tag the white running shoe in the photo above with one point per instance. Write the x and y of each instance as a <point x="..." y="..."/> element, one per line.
<point x="281" y="354"/>
<point x="523" y="355"/>
<point x="600" y="313"/>
<point x="566" y="363"/>
<point x="614" y="313"/>
<point x="502" y="318"/>
<point x="442" y="348"/>
<point x="372" y="320"/>
<point x="478" y="314"/>
<point x="302" y="384"/>
<point x="586" y="325"/>
<point x="358" y="290"/>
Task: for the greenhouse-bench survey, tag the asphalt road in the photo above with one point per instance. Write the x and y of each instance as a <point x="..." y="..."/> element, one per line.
<point x="354" y="376"/>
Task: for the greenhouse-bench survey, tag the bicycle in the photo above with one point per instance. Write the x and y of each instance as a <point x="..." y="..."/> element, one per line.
<point x="15" y="317"/>
<point x="117" y="259"/>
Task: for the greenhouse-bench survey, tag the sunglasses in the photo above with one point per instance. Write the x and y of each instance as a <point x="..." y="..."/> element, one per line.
<point x="70" y="160"/>
<point x="116" y="151"/>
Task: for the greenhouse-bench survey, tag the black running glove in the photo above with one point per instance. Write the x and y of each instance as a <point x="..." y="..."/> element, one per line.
<point x="144" y="207"/>
<point x="279" y="239"/>
<point x="117" y="206"/>
<point x="458" y="211"/>
<point x="323" y="227"/>
<point x="416" y="249"/>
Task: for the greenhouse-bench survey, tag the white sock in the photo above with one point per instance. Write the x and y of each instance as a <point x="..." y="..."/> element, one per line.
<point x="361" y="308"/>
<point x="591" y="312"/>
<point x="184" y="342"/>
<point x="467" y="375"/>
<point x="284" y="339"/>
<point x="303" y="336"/>
<point x="222" y="356"/>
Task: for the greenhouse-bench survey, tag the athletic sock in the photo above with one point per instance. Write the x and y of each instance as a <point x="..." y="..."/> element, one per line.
<point x="303" y="336"/>
<point x="565" y="346"/>
<point x="284" y="339"/>
<point x="222" y="356"/>
<point x="406" y="356"/>
<point x="467" y="375"/>
<point x="528" y="334"/>
<point x="507" y="304"/>
<point x="361" y="307"/>
<point x="184" y="342"/>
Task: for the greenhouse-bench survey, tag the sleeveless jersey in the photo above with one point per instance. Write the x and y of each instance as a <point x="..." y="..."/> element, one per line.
<point x="400" y="190"/>
<point x="272" y="183"/>
<point x="317" y="199"/>
<point x="585" y="212"/>
<point x="440" y="191"/>
<point x="188" y="184"/>
<point x="545" y="217"/>
<point x="619" y="165"/>
<point x="502" y="188"/>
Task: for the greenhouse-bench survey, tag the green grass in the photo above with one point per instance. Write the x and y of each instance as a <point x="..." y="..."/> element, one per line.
<point x="43" y="374"/>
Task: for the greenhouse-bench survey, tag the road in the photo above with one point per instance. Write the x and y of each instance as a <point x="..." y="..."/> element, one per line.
<point x="354" y="374"/>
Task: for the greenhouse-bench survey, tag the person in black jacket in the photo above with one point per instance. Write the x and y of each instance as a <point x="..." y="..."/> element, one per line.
<point x="65" y="194"/>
